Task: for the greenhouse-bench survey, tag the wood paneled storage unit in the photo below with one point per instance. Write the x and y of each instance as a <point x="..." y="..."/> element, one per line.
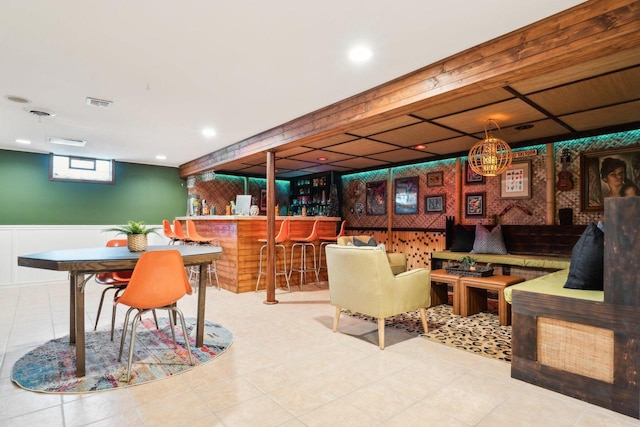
<point x="238" y="236"/>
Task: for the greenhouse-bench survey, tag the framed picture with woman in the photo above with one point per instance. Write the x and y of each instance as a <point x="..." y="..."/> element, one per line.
<point x="608" y="173"/>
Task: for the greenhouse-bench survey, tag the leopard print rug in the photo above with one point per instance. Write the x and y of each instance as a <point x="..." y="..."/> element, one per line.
<point x="480" y="333"/>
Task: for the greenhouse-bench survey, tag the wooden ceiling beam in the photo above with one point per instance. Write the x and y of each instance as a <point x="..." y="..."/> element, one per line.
<point x="592" y="30"/>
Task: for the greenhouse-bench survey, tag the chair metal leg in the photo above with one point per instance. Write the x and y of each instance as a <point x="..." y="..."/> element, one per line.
<point x="124" y="331"/>
<point x="132" y="343"/>
<point x="283" y="272"/>
<point x="184" y="332"/>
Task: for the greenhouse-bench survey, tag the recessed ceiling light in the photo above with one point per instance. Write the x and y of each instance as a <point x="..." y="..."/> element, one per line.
<point x="208" y="132"/>
<point x="17" y="99"/>
<point x="23" y="141"/>
<point x="322" y="159"/>
<point x="360" y="54"/>
<point x="420" y="147"/>
<point x="161" y="157"/>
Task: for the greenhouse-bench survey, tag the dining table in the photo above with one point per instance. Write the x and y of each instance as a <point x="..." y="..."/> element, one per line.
<point x="83" y="263"/>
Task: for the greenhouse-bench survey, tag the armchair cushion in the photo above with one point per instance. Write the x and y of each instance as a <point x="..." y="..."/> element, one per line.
<point x="397" y="260"/>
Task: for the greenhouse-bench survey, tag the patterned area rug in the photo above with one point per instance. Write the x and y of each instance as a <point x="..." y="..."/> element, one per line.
<point x="480" y="333"/>
<point x="51" y="367"/>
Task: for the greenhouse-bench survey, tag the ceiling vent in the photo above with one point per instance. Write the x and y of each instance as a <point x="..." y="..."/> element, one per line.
<point x="40" y="112"/>
<point x="65" y="141"/>
<point x="99" y="102"/>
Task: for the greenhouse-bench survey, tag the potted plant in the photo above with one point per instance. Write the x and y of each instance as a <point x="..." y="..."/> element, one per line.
<point x="468" y="263"/>
<point x="136" y="234"/>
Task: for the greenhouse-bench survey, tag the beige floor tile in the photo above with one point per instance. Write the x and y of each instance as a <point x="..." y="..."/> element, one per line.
<point x="173" y="410"/>
<point x="224" y="392"/>
<point x="260" y="411"/>
<point x="286" y="367"/>
<point x="338" y="413"/>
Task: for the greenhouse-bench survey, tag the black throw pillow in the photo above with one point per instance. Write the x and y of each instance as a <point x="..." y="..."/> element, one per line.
<point x="586" y="270"/>
<point x="463" y="238"/>
<point x="371" y="242"/>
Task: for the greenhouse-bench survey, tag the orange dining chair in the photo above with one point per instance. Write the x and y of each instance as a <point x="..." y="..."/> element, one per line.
<point x="197" y="239"/>
<point x="283" y="236"/>
<point x="303" y="242"/>
<point x="168" y="232"/>
<point x="116" y="280"/>
<point x="158" y="281"/>
<point x="326" y="240"/>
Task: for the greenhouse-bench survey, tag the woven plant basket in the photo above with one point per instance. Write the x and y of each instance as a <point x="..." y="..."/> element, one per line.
<point x="137" y="242"/>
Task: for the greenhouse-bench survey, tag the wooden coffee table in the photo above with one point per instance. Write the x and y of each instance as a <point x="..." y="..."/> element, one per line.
<point x="473" y="295"/>
<point x="440" y="281"/>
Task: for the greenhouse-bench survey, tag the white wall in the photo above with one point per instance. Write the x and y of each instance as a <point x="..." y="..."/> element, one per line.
<point x="18" y="240"/>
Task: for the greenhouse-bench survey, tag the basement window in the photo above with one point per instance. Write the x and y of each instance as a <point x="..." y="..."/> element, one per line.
<point x="81" y="169"/>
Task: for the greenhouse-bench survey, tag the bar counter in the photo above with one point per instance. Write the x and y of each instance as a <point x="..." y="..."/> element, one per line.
<point x="238" y="236"/>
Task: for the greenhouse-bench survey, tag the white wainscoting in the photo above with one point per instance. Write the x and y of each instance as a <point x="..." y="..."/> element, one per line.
<point x="17" y="240"/>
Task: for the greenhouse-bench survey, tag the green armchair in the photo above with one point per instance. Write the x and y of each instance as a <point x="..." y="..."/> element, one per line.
<point x="361" y="280"/>
<point x="397" y="260"/>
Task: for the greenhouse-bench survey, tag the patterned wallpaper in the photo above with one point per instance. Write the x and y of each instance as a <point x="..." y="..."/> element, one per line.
<point x="219" y="190"/>
<point x="511" y="211"/>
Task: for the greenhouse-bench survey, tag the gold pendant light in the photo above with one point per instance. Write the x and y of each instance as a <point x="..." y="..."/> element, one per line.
<point x="491" y="156"/>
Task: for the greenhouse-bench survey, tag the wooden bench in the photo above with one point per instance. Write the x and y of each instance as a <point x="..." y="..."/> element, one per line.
<point x="597" y="331"/>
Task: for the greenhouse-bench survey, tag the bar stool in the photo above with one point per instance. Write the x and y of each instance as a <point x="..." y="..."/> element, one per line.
<point x="196" y="238"/>
<point x="302" y="243"/>
<point x="283" y="236"/>
<point x="168" y="232"/>
<point x="326" y="240"/>
<point x="181" y="236"/>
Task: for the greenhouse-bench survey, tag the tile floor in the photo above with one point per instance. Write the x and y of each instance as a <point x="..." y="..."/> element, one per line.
<point x="285" y="368"/>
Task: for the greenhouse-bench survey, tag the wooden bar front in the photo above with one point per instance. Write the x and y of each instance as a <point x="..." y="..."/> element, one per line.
<point x="238" y="236"/>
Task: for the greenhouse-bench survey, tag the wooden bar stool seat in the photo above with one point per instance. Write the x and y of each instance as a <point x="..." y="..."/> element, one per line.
<point x="440" y="281"/>
<point x="473" y="295"/>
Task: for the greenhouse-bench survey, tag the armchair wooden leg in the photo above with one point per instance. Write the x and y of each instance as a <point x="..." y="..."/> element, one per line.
<point x="336" y="319"/>
<point x="423" y="317"/>
<point x="381" y="333"/>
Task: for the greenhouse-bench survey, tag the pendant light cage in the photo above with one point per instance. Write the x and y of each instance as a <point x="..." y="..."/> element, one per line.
<point x="491" y="156"/>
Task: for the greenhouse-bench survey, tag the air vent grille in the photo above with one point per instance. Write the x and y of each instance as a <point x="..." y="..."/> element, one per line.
<point x="99" y="102"/>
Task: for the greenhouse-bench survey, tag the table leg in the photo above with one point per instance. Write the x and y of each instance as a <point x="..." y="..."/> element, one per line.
<point x="79" y="315"/>
<point x="202" y="289"/>
<point x="72" y="308"/>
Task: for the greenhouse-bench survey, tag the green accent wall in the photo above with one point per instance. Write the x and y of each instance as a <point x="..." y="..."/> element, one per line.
<point x="141" y="193"/>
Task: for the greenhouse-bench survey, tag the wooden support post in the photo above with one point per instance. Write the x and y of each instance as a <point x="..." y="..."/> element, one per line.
<point x="271" y="228"/>
<point x="457" y="213"/>
<point x="551" y="188"/>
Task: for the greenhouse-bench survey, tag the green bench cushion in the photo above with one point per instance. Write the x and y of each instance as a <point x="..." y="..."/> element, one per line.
<point x="553" y="284"/>
<point x="532" y="261"/>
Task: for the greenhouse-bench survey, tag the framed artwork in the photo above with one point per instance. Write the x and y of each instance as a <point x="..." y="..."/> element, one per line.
<point x="435" y="179"/>
<point x="376" y="198"/>
<point x="263" y="199"/>
<point x="434" y="203"/>
<point x="470" y="177"/>
<point x="474" y="205"/>
<point x="406" y="195"/>
<point x="608" y="173"/>
<point x="515" y="182"/>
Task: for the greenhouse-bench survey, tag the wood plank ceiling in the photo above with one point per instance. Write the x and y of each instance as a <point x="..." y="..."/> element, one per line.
<point x="572" y="75"/>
